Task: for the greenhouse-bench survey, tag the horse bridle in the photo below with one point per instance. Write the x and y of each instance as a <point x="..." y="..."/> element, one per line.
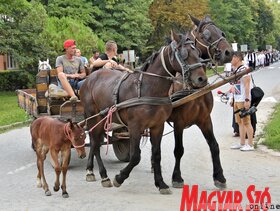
<point x="209" y="45"/>
<point x="186" y="68"/>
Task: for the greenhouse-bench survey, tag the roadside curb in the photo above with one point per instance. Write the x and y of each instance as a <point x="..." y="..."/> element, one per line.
<point x="14" y="125"/>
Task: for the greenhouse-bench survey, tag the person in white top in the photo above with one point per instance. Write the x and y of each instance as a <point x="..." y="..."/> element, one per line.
<point x="242" y="98"/>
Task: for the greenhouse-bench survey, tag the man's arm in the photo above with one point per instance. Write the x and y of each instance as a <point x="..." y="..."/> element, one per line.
<point x="247" y="80"/>
<point x="99" y="62"/>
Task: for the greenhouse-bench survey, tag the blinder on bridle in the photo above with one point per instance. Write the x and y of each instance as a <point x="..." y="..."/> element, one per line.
<point x="205" y="34"/>
<point x="181" y="56"/>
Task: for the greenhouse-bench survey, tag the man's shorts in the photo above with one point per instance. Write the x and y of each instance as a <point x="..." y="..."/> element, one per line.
<point x="246" y="120"/>
<point x="74" y="83"/>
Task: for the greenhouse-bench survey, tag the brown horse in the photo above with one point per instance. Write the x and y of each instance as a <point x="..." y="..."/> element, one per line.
<point x="148" y="89"/>
<point x="212" y="43"/>
<point x="51" y="134"/>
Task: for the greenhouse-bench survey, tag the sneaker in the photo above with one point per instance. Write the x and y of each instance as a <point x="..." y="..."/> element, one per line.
<point x="73" y="99"/>
<point x="247" y="147"/>
<point x="236" y="146"/>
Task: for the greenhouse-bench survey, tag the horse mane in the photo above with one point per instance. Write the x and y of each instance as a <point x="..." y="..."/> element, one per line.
<point x="149" y="61"/>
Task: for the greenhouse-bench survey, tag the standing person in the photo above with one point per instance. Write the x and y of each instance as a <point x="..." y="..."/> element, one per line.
<point x="70" y="69"/>
<point x="242" y="98"/>
<point x="108" y="59"/>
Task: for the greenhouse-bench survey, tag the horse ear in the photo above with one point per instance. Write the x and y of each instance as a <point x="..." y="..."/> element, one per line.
<point x="207" y="18"/>
<point x="175" y="36"/>
<point x="195" y="20"/>
<point x="48" y="61"/>
<point x="40" y="62"/>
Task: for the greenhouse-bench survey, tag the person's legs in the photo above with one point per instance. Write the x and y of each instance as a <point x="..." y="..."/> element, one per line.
<point x="65" y="84"/>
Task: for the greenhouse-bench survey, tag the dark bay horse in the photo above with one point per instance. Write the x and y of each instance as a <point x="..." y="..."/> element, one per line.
<point x="51" y="134"/>
<point x="106" y="87"/>
<point x="211" y="41"/>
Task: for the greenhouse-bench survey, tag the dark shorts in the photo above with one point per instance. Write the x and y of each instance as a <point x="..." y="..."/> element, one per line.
<point x="75" y="84"/>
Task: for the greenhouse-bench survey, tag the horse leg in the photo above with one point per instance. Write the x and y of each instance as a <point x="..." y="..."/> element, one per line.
<point x="207" y="130"/>
<point x="135" y="157"/>
<point x="156" y="136"/>
<point x="57" y="168"/>
<point x="90" y="177"/>
<point x="177" y="180"/>
<point x="42" y="155"/>
<point x="105" y="180"/>
<point x="65" y="160"/>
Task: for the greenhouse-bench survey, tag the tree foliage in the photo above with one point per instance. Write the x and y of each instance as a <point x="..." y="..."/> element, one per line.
<point x="58" y="30"/>
<point x="126" y="22"/>
<point x="173" y="14"/>
<point x="20" y="25"/>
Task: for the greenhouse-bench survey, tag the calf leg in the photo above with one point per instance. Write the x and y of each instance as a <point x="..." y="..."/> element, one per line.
<point x="41" y="156"/>
<point x="65" y="161"/>
<point x="57" y="168"/>
<point x="207" y="130"/>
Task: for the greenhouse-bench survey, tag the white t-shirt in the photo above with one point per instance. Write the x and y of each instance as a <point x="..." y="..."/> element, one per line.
<point x="239" y="88"/>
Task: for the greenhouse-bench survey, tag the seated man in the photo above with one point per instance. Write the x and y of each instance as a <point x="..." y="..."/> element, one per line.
<point x="70" y="70"/>
<point x="108" y="59"/>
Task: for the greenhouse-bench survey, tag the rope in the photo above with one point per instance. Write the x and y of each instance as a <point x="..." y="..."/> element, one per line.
<point x="68" y="134"/>
<point x="107" y="125"/>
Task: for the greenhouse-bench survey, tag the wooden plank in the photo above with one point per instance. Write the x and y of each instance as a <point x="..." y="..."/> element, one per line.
<point x="208" y="88"/>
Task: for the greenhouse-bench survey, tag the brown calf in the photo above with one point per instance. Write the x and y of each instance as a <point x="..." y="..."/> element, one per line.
<point x="51" y="134"/>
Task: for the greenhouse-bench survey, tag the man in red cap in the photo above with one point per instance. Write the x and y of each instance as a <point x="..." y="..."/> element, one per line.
<point x="70" y="69"/>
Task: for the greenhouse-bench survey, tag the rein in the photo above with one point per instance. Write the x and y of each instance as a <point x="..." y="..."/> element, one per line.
<point x="68" y="134"/>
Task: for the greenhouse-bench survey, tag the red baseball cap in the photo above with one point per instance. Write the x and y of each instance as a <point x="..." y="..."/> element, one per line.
<point x="69" y="43"/>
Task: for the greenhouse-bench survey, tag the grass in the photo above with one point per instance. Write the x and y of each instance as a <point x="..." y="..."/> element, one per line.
<point x="210" y="72"/>
<point x="9" y="111"/>
<point x="272" y="131"/>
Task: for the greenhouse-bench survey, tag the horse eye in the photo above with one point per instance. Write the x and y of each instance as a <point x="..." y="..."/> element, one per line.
<point x="223" y="34"/>
<point x="206" y="34"/>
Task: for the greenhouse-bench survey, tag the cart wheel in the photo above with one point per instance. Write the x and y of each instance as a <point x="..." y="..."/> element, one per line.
<point x="122" y="149"/>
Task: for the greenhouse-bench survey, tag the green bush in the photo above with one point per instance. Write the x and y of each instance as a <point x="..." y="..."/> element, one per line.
<point x="11" y="80"/>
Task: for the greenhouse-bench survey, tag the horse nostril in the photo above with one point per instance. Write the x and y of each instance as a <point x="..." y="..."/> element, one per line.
<point x="227" y="53"/>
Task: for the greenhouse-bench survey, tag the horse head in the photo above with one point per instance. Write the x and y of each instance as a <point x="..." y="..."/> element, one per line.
<point x="78" y="138"/>
<point x="44" y="65"/>
<point x="211" y="41"/>
<point x="188" y="60"/>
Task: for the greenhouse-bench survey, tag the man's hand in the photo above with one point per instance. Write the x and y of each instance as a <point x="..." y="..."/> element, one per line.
<point x="247" y="105"/>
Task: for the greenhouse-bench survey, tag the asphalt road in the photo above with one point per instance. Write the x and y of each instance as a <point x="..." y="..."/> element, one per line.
<point x="18" y="166"/>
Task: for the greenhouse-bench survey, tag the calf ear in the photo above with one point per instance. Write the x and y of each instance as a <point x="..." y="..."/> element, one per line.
<point x="70" y="123"/>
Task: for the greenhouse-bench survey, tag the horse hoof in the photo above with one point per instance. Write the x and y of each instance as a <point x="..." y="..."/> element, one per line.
<point x="48" y="193"/>
<point x="116" y="184"/>
<point x="56" y="188"/>
<point x="65" y="195"/>
<point x="220" y="185"/>
<point x="90" y="178"/>
<point x="165" y="191"/>
<point x="177" y="184"/>
<point x="106" y="183"/>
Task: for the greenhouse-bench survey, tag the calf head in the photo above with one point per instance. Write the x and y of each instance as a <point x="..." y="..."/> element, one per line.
<point x="78" y="138"/>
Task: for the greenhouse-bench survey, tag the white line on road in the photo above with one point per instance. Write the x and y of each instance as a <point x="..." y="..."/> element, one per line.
<point x="22" y="168"/>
